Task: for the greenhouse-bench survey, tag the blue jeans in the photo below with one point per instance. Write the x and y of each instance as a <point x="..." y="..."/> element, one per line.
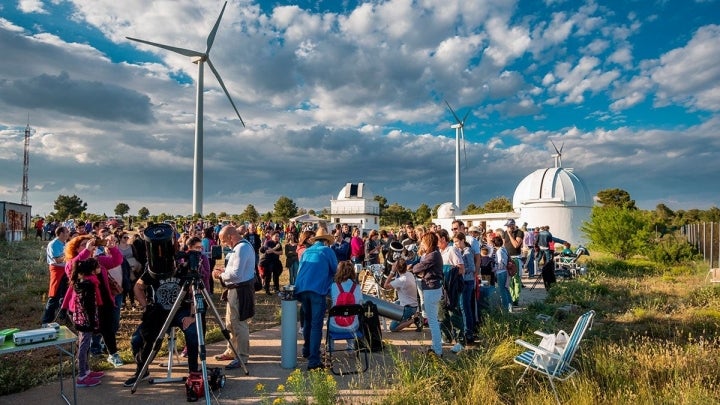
<point x="143" y="339"/>
<point x="116" y="313"/>
<point x="293" y="272"/>
<point x="313" y="306"/>
<point x="431" y="299"/>
<point x="530" y="263"/>
<point x="468" y="299"/>
<point x="502" y="278"/>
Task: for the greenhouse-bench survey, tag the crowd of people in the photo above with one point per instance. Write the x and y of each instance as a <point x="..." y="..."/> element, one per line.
<point x="96" y="270"/>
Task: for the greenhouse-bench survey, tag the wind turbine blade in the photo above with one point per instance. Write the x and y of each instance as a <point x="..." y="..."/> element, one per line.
<point x="217" y="75"/>
<point x="561" y="147"/>
<point x="181" y="51"/>
<point x="556" y="149"/>
<point x="465" y="117"/>
<point x="462" y="135"/>
<point x="453" y="113"/>
<point x="211" y="37"/>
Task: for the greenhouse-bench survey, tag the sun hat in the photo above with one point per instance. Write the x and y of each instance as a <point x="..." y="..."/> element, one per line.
<point x="322" y="235"/>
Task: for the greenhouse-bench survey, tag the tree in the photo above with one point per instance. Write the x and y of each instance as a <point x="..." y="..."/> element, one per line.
<point x="621" y="232"/>
<point x="473" y="209"/>
<point x="615" y="197"/>
<point x="211" y="217"/>
<point x="143" y="213"/>
<point x="284" y="209"/>
<point x="222" y="215"/>
<point x="498" y="204"/>
<point x="382" y="203"/>
<point x="122" y="209"/>
<point x="422" y="214"/>
<point x="268" y="216"/>
<point x="395" y="214"/>
<point x="69" y="207"/>
<point x="250" y="214"/>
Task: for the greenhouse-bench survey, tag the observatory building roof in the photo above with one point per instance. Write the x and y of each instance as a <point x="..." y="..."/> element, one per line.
<point x="552" y="186"/>
<point x="355" y="191"/>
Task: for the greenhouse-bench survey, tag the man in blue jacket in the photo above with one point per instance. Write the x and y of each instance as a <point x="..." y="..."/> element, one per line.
<point x="318" y="265"/>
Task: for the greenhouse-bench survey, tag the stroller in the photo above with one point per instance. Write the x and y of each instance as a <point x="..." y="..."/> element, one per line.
<point x="567" y="266"/>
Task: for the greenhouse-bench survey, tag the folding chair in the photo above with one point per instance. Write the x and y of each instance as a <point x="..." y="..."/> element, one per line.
<point x="331" y="337"/>
<point x="552" y="359"/>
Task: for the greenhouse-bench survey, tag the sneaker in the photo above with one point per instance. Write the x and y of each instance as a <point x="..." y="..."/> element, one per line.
<point x="224" y="357"/>
<point x="87" y="382"/>
<point x="95" y="374"/>
<point x="115" y="360"/>
<point x="131" y="381"/>
<point x="457" y="348"/>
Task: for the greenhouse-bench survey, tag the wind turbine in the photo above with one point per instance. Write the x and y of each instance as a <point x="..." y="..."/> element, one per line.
<point x="200" y="58"/>
<point x="558" y="154"/>
<point x="459" y="134"/>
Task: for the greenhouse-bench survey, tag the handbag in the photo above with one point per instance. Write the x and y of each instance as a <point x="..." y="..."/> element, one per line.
<point x="115" y="287"/>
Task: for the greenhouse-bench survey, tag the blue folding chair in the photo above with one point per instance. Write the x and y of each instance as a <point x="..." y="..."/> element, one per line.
<point x="331" y="337"/>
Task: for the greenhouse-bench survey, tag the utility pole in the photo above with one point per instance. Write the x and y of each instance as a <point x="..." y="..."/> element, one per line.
<point x="26" y="165"/>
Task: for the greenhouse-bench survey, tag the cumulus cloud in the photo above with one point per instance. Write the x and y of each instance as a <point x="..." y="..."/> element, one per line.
<point x="349" y="94"/>
<point x="691" y="75"/>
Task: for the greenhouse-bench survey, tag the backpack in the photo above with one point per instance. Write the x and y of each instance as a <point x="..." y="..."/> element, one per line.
<point x="345" y="298"/>
<point x="370" y="324"/>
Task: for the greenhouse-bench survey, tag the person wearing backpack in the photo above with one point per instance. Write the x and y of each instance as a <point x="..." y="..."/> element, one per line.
<point x="345" y="291"/>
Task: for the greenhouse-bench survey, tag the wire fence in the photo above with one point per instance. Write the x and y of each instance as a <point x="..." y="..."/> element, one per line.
<point x="705" y="236"/>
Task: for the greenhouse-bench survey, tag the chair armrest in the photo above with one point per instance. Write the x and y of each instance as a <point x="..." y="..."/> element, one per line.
<point x="542" y="334"/>
<point x="537" y="349"/>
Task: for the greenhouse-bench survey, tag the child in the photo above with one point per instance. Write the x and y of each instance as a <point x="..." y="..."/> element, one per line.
<point x="85" y="315"/>
<point x="486" y="266"/>
<point x="345" y="283"/>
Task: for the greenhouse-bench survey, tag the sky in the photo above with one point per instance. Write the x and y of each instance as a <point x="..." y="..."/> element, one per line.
<point x="334" y="91"/>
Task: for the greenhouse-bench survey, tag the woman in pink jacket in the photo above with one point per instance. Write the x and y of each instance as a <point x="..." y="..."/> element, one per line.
<point x="81" y="248"/>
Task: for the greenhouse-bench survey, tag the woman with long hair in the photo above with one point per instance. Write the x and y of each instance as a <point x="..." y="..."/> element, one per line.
<point x="81" y="248"/>
<point x="430" y="271"/>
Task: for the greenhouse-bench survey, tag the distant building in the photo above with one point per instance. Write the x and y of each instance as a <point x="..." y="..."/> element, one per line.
<point x="15" y="220"/>
<point x="355" y="205"/>
<point x="553" y="196"/>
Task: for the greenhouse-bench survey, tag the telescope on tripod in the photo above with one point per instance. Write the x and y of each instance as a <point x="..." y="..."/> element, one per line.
<point x="178" y="281"/>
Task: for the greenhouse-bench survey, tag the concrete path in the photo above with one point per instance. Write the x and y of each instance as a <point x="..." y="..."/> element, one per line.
<point x="264" y="368"/>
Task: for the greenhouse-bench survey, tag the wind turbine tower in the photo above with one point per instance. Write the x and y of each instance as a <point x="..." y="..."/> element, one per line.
<point x="199" y="58"/>
<point x="459" y="134"/>
<point x="26" y="165"/>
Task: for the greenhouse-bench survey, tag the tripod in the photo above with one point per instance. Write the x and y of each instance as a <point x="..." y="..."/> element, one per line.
<point x="200" y="296"/>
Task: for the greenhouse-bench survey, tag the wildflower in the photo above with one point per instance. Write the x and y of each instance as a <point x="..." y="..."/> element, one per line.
<point x="278" y="401"/>
<point x="259" y="387"/>
<point x="281" y="388"/>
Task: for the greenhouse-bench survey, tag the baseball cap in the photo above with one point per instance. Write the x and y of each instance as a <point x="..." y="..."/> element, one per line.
<point x="510" y="222"/>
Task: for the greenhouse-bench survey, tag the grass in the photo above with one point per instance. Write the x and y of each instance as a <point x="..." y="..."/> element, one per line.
<point x="655" y="340"/>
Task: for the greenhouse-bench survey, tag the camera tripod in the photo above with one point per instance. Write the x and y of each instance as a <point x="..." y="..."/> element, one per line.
<point x="200" y="296"/>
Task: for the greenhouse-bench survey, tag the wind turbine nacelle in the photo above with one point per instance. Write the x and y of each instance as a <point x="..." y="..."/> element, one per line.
<point x="446" y="210"/>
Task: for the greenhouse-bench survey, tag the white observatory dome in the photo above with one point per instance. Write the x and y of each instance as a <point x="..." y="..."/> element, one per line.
<point x="552" y="186"/>
<point x="354" y="191"/>
<point x="556" y="197"/>
<point x="446" y="210"/>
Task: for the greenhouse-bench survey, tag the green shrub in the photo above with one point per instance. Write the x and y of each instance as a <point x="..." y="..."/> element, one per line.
<point x="670" y="250"/>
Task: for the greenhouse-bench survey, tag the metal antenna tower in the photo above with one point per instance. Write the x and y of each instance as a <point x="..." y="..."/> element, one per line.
<point x="26" y="165"/>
